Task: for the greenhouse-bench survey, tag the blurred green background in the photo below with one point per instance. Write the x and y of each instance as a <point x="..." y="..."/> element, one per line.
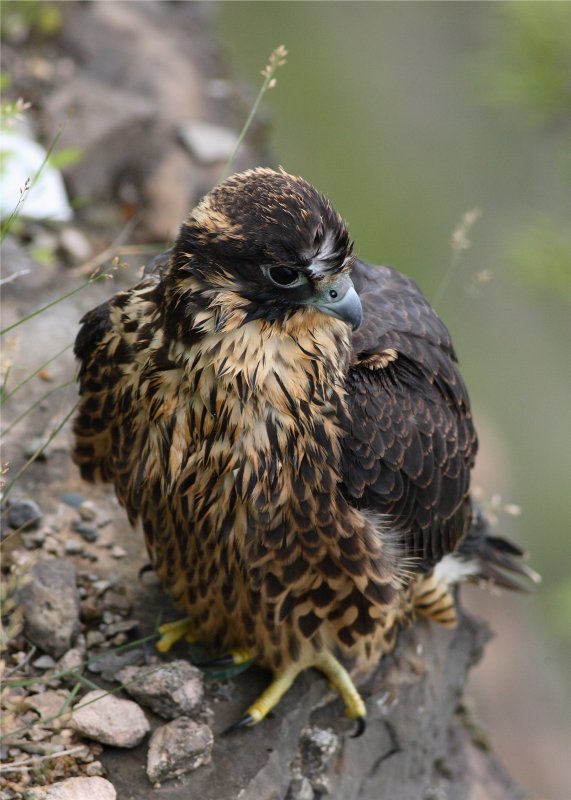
<point x="408" y="115"/>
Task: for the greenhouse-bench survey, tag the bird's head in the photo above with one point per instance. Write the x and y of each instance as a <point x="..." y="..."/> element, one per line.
<point x="264" y="245"/>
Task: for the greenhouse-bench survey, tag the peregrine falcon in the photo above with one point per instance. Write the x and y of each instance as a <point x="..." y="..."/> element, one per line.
<point x="291" y="427"/>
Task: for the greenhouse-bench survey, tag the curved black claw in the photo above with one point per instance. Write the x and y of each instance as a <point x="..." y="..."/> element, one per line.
<point x="243" y="723"/>
<point x="360" y="729"/>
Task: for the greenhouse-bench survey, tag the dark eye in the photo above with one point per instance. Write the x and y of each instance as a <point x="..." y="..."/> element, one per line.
<point x="283" y="276"/>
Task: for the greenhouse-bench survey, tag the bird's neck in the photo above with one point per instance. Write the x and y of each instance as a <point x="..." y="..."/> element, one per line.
<point x="287" y="363"/>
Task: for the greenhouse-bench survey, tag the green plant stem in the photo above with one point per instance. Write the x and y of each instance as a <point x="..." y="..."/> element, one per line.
<point x="5" y="229"/>
<point x="35" y="405"/>
<point x="52" y="676"/>
<point x="33" y="374"/>
<point x="106" y="693"/>
<point x="54" y="302"/>
<point x="440" y="292"/>
<point x="38" y="452"/>
<point x="243" y="132"/>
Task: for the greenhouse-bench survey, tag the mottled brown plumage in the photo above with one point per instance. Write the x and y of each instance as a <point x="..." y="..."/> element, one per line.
<point x="296" y="481"/>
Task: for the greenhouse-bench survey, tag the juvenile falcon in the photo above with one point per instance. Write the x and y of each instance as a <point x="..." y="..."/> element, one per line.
<point x="291" y="427"/>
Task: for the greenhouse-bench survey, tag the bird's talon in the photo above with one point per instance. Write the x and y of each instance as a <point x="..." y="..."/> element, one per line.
<point x="234" y="658"/>
<point x="245" y="722"/>
<point x="359" y="728"/>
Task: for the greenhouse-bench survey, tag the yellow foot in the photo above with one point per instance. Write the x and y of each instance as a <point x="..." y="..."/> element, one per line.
<point x="338" y="677"/>
<point x="268" y="699"/>
<point x="171" y="632"/>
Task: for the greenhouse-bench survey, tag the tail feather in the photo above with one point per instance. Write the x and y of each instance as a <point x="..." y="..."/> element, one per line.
<point x="494" y="559"/>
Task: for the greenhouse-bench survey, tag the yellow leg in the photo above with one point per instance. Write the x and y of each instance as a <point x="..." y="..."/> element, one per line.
<point x="268" y="699"/>
<point x="340" y="679"/>
<point x="332" y="669"/>
<point x="171" y="632"/>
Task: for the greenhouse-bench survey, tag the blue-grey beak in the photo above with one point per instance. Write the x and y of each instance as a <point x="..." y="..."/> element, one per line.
<point x="340" y="300"/>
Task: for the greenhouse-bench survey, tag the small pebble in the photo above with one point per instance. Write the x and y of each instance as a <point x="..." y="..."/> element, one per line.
<point x="101" y="586"/>
<point x="115" y="601"/>
<point x="110" y="719"/>
<point x="73" y="499"/>
<point x="95" y="768"/>
<point x="73" y="548"/>
<point x="37" y="444"/>
<point x="108" y="666"/>
<point x="35" y="539"/>
<point x="118" y="552"/>
<point x="170" y="690"/>
<point x="123" y="626"/>
<point x="95" y="788"/>
<point x="24" y="515"/>
<point x="44" y="662"/>
<point x="50" y="603"/>
<point x="48" y="704"/>
<point x="87" y="511"/>
<point x="177" y="748"/>
<point x="72" y="660"/>
<point x="94" y="639"/>
<point x="88" y="532"/>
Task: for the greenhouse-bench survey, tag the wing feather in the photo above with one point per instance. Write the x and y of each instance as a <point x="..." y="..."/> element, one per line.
<point x="411" y="442"/>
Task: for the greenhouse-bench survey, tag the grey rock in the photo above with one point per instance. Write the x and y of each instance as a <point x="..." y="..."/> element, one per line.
<point x="109" y="665"/>
<point x="122" y="626"/>
<point x="171" y="690"/>
<point x="208" y="144"/>
<point x="95" y="788"/>
<point x="86" y="530"/>
<point x="110" y="719"/>
<point x="115" y="601"/>
<point x="178" y="747"/>
<point x="94" y="639"/>
<point x="300" y="788"/>
<point x="71" y="661"/>
<point x="50" y="603"/>
<point x="73" y="499"/>
<point x="44" y="662"/>
<point x="34" y="446"/>
<point x="48" y="704"/>
<point x="318" y="747"/>
<point x="75" y="245"/>
<point x="73" y="548"/>
<point x="24" y="514"/>
<point x="34" y="539"/>
<point x="87" y="511"/>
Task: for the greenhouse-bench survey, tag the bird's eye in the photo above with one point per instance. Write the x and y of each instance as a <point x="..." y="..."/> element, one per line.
<point x="283" y="276"/>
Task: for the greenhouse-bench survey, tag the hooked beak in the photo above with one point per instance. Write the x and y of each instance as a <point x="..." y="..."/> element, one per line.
<point x="340" y="300"/>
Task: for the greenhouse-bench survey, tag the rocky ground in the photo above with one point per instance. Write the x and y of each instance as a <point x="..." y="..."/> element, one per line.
<point x="90" y="709"/>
